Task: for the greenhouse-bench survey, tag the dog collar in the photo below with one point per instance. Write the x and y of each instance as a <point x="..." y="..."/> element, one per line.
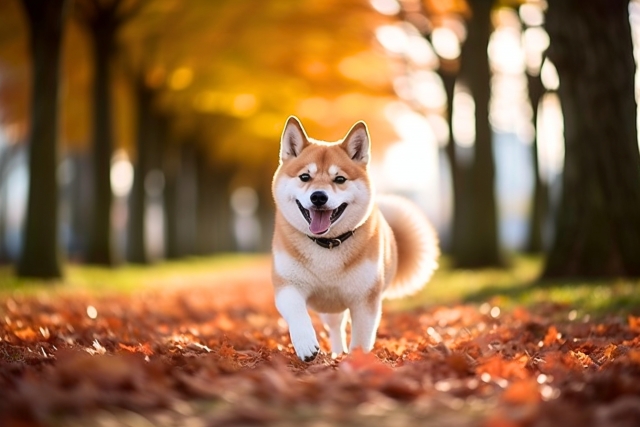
<point x="330" y="243"/>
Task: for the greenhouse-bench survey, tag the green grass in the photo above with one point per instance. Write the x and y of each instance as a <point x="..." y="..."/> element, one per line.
<point x="506" y="288"/>
<point x="125" y="278"/>
<point x="519" y="286"/>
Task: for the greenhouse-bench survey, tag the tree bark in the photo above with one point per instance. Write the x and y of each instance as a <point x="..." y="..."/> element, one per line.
<point x="479" y="244"/>
<point x="449" y="82"/>
<point x="40" y="252"/>
<point x="598" y="223"/>
<point x="136" y="248"/>
<point x="539" y="201"/>
<point x="100" y="250"/>
<point x="171" y="171"/>
<point x="187" y="200"/>
<point x="206" y="201"/>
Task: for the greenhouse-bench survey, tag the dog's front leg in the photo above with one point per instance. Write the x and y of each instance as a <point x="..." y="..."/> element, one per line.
<point x="336" y="323"/>
<point x="365" y="319"/>
<point x="293" y="308"/>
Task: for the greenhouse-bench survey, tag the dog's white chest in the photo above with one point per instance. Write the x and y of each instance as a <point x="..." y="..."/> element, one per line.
<point x="324" y="281"/>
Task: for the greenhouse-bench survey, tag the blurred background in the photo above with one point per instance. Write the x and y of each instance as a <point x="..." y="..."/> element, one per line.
<point x="165" y="118"/>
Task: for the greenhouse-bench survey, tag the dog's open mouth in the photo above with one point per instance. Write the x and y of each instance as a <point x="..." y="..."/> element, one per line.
<point x="321" y="219"/>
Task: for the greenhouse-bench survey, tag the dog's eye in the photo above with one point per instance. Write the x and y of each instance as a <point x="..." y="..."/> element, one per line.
<point x="305" y="177"/>
<point x="339" y="179"/>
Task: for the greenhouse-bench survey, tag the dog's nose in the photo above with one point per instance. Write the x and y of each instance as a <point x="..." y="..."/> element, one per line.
<point x="319" y="198"/>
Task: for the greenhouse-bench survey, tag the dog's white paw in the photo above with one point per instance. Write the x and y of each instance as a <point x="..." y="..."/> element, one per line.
<point x="305" y="344"/>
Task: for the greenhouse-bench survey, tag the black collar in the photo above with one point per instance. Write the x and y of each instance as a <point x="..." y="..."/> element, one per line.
<point x="330" y="243"/>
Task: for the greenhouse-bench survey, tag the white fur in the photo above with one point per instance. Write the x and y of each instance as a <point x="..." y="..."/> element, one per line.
<point x="356" y="194"/>
<point x="335" y="323"/>
<point x="399" y="210"/>
<point x="291" y="305"/>
<point x="333" y="290"/>
<point x="329" y="292"/>
<point x="333" y="170"/>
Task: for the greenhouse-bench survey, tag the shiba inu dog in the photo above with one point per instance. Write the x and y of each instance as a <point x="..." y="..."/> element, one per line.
<point x="338" y="249"/>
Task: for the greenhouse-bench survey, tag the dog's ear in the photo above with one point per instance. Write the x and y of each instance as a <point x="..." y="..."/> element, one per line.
<point x="357" y="144"/>
<point x="294" y="139"/>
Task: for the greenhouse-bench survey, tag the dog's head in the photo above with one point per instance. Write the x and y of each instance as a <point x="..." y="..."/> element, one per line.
<point x="323" y="189"/>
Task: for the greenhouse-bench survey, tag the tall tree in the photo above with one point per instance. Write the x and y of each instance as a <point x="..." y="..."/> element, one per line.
<point x="40" y="252"/>
<point x="146" y="150"/>
<point x="103" y="20"/>
<point x="539" y="202"/>
<point x="480" y="245"/>
<point x="598" y="222"/>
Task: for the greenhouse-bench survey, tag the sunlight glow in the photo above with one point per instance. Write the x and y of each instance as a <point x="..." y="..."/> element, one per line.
<point x="549" y="75"/>
<point x="440" y="128"/>
<point x="315" y="108"/>
<point x="532" y="14"/>
<point x="445" y="42"/>
<point x="121" y="174"/>
<point x="420" y="51"/>
<point x="428" y="90"/>
<point x="244" y="105"/>
<point x="510" y="110"/>
<point x="92" y="312"/>
<point x="393" y="38"/>
<point x="505" y="52"/>
<point x="247" y="230"/>
<point x="408" y="124"/>
<point x="550" y="137"/>
<point x="410" y="165"/>
<point x="402" y="87"/>
<point x="181" y="78"/>
<point x="386" y="7"/>
<point x="464" y="117"/>
<point x="535" y="41"/>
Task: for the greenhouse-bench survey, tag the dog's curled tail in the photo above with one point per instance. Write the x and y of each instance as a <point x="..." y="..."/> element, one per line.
<point x="417" y="244"/>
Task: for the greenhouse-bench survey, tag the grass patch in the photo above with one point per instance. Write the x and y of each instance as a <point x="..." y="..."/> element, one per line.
<point x="519" y="286"/>
<point x="505" y="288"/>
<point x="126" y="278"/>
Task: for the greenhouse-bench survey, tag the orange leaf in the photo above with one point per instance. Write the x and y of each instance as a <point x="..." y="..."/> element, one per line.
<point x="584" y="360"/>
<point x="358" y="360"/>
<point x="634" y="356"/>
<point x="499" y="420"/>
<point x="551" y="337"/>
<point x="26" y="334"/>
<point x="145" y="349"/>
<point x="609" y="351"/>
<point x="522" y="392"/>
<point x="127" y="347"/>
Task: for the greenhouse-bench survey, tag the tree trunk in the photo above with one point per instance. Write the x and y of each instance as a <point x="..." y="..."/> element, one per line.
<point x="449" y="82"/>
<point x="206" y="198"/>
<point x="479" y="245"/>
<point x="598" y="223"/>
<point x="539" y="201"/>
<point x="136" y="248"/>
<point x="187" y="201"/>
<point x="170" y="162"/>
<point x="100" y="245"/>
<point x="40" y="252"/>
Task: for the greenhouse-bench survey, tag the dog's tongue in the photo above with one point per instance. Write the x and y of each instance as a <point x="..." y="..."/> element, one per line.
<point x="320" y="221"/>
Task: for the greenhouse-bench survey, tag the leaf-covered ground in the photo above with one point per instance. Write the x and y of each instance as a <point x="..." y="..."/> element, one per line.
<point x="210" y="350"/>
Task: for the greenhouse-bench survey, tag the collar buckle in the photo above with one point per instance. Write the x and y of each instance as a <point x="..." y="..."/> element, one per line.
<point x="334" y="243"/>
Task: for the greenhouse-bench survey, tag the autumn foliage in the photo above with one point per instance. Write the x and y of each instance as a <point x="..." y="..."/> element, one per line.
<point x="217" y="352"/>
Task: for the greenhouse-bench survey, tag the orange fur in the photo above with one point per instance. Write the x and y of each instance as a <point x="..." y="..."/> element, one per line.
<point x="392" y="252"/>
